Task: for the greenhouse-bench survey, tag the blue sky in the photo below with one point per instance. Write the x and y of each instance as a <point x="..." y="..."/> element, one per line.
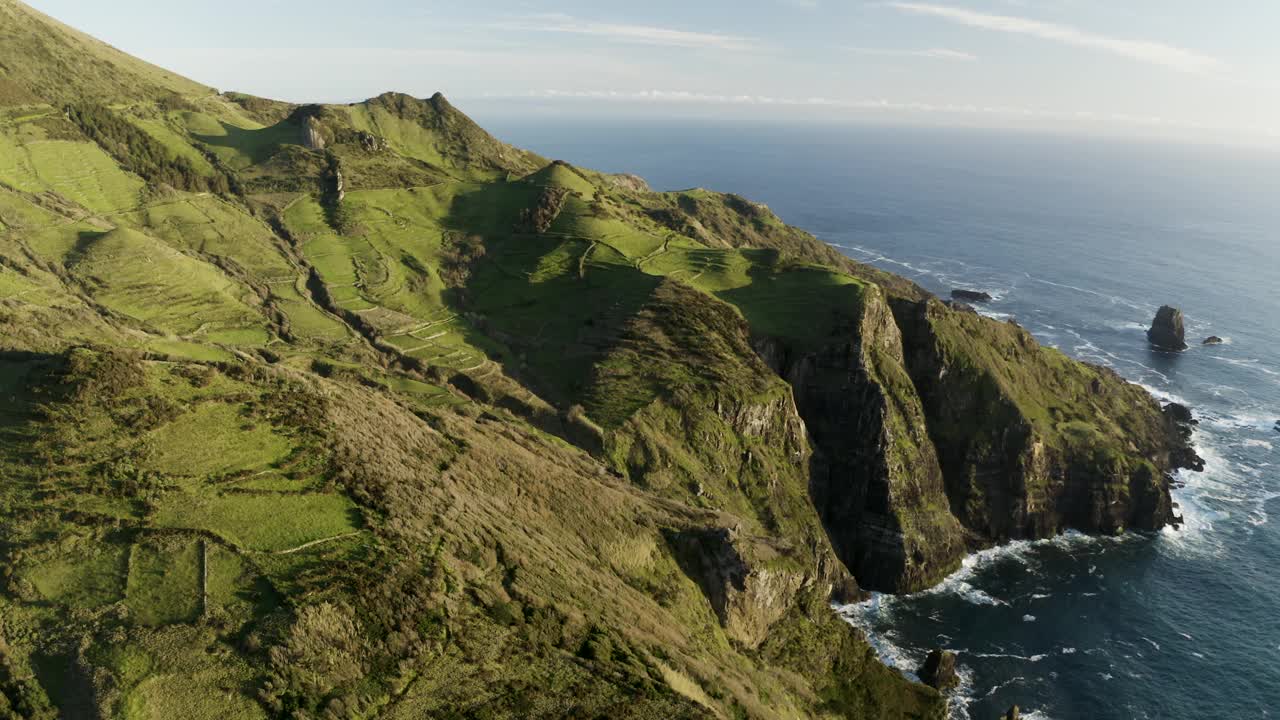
<point x="1205" y="69"/>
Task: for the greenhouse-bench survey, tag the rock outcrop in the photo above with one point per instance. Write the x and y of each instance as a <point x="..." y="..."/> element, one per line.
<point x="1167" y="331"/>
<point x="1213" y="340"/>
<point x="971" y="296"/>
<point x="312" y="136"/>
<point x="1013" y="714"/>
<point x="751" y="583"/>
<point x="939" y="670"/>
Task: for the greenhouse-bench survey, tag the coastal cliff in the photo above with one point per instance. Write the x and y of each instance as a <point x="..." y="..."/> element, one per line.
<point x="875" y="477"/>
<point x="1031" y="442"/>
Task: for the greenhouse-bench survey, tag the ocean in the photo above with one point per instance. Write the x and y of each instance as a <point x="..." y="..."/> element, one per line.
<point x="1080" y="240"/>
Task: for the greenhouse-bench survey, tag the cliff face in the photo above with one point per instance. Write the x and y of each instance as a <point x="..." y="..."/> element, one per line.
<point x="1032" y="443"/>
<point x="875" y="476"/>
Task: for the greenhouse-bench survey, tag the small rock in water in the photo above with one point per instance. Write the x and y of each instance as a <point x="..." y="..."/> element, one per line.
<point x="1213" y="340"/>
<point x="1013" y="714"/>
<point x="1167" y="331"/>
<point x="939" y="670"/>
<point x="971" y="295"/>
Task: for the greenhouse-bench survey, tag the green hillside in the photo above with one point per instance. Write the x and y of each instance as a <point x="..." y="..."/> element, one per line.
<point x="359" y="412"/>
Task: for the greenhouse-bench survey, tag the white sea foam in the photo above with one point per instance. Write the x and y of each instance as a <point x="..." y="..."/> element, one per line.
<point x="1162" y="395"/>
<point x="1130" y="326"/>
<point x="1030" y="618"/>
<point x="1069" y="651"/>
<point x="996" y="688"/>
<point x="864" y="616"/>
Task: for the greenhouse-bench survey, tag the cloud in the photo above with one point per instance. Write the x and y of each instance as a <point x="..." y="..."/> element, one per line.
<point x="931" y="53"/>
<point x="643" y="34"/>
<point x="1153" y="53"/>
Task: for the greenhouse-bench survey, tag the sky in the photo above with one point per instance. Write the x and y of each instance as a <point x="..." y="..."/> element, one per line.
<point x="1199" y="69"/>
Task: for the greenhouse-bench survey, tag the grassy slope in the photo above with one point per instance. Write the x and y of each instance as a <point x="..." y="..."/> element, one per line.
<point x="57" y="63"/>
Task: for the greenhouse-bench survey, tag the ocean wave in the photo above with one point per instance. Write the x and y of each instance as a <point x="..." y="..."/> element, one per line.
<point x="1113" y="299"/>
<point x="1250" y="363"/>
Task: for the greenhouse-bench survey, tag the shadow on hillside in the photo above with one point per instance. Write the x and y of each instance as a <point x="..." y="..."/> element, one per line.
<point x="21" y="376"/>
<point x="257" y="145"/>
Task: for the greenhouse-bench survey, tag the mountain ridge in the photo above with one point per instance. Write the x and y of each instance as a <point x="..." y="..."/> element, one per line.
<point x="346" y="411"/>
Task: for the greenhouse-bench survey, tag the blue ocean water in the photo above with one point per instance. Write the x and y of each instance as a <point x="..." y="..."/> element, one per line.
<point x="1079" y="240"/>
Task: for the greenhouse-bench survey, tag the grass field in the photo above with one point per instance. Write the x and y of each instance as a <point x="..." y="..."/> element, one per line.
<point x="266" y="522"/>
<point x="165" y="581"/>
<point x="90" y="577"/>
<point x="214" y="439"/>
<point x="139" y="276"/>
<point x="79" y="171"/>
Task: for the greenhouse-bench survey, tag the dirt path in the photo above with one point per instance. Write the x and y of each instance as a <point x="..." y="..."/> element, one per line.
<point x="313" y="543"/>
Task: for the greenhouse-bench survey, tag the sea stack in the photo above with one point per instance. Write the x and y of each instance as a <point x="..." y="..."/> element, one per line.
<point x="1167" y="331"/>
<point x="939" y="670"/>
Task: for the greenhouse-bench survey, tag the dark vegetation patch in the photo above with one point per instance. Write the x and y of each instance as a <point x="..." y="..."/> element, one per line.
<point x="139" y="153"/>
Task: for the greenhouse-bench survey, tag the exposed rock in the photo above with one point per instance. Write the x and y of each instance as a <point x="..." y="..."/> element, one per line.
<point x="875" y="476"/>
<point x="312" y="137"/>
<point x="1013" y="714"/>
<point x="626" y="181"/>
<point x="1179" y="421"/>
<point x="971" y="296"/>
<point x="1213" y="340"/>
<point x="939" y="670"/>
<point x="1179" y="413"/>
<point x="371" y="143"/>
<point x="1167" y="331"/>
